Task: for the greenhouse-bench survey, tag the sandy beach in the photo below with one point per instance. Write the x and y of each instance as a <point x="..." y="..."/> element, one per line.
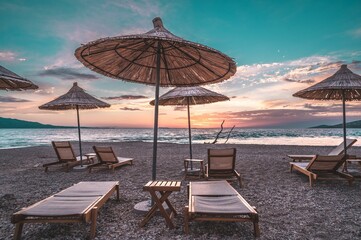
<point x="288" y="207"/>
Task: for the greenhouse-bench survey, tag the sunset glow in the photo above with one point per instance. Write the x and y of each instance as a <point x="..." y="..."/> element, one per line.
<point x="274" y="59"/>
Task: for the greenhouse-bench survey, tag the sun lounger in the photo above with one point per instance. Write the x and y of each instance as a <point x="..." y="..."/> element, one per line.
<point x="336" y="151"/>
<point x="79" y="203"/>
<point x="218" y="201"/>
<point x="65" y="153"/>
<point x="107" y="157"/>
<point x="321" y="166"/>
<point x="221" y="165"/>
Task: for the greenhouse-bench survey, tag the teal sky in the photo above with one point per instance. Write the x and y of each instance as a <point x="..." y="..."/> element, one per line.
<point x="280" y="47"/>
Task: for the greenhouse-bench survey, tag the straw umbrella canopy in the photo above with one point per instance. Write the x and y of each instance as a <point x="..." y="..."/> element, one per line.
<point x="343" y="85"/>
<point x="158" y="58"/>
<point x="11" y="81"/>
<point x="75" y="98"/>
<point x="186" y="96"/>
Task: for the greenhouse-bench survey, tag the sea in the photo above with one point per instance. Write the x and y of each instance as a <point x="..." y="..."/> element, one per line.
<point x="17" y="138"/>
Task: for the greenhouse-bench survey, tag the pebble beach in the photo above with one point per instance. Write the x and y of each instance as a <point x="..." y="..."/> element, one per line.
<point x="288" y="207"/>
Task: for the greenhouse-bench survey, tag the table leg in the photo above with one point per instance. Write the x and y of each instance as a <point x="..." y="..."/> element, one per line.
<point x="158" y="205"/>
<point x="170" y="206"/>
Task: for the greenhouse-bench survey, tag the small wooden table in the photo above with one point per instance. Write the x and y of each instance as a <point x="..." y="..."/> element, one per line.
<point x="165" y="188"/>
<point x="90" y="157"/>
<point x="191" y="161"/>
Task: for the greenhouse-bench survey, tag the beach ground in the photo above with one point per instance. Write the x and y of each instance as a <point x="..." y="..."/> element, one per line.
<point x="288" y="207"/>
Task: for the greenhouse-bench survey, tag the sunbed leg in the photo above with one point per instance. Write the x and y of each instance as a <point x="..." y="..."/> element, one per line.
<point x="311" y="180"/>
<point x="254" y="218"/>
<point x="46" y="169"/>
<point x="291" y="167"/>
<point x="117" y="190"/>
<point x="240" y="182"/>
<point x="18" y="230"/>
<point x="186" y="220"/>
<point x="256" y="229"/>
<point x="94" y="215"/>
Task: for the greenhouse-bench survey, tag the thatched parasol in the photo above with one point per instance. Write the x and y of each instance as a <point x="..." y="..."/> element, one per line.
<point x="185" y="96"/>
<point x="11" y="81"/>
<point x="343" y="85"/>
<point x="75" y="98"/>
<point x="158" y="58"/>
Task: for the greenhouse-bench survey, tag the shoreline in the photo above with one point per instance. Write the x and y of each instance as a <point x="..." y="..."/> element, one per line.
<point x="278" y="194"/>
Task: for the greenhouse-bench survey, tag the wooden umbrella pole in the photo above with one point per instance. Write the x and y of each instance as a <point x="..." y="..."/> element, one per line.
<point x="189" y="133"/>
<point x="344" y="121"/>
<point x="81" y="152"/>
<point x="156" y="107"/>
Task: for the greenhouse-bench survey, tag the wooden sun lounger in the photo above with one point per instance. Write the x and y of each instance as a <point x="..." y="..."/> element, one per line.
<point x="221" y="165"/>
<point x="218" y="201"/>
<point x="336" y="151"/>
<point x="107" y="157"/>
<point x="65" y="154"/>
<point x="320" y="166"/>
<point x="79" y="203"/>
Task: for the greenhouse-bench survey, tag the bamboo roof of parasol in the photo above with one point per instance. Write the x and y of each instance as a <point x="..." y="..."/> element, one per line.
<point x="196" y="95"/>
<point x="11" y="81"/>
<point x="133" y="58"/>
<point x="76" y="96"/>
<point x="332" y="87"/>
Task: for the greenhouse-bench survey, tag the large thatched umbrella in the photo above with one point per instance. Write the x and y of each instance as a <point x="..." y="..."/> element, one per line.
<point x="343" y="85"/>
<point x="11" y="81"/>
<point x="158" y="58"/>
<point x="75" y="98"/>
<point x="185" y="96"/>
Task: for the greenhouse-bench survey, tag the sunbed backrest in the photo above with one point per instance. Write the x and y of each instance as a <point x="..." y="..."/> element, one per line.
<point x="339" y="149"/>
<point x="326" y="163"/>
<point x="105" y="154"/>
<point x="64" y="151"/>
<point x="221" y="159"/>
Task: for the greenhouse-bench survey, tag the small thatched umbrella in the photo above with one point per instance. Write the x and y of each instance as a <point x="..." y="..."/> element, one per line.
<point x="343" y="85"/>
<point x="11" y="81"/>
<point x="185" y="96"/>
<point x="158" y="58"/>
<point x="75" y="98"/>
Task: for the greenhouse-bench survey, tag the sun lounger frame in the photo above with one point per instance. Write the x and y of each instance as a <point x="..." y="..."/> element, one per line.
<point x="89" y="214"/>
<point x="336" y="151"/>
<point x="190" y="213"/>
<point x="67" y="162"/>
<point x="229" y="174"/>
<point x="110" y="164"/>
<point x="321" y="166"/>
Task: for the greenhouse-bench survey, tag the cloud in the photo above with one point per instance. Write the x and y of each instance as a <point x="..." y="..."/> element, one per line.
<point x="45" y="91"/>
<point x="180" y="108"/>
<point x="126" y="97"/>
<point x="130" y="109"/>
<point x="66" y="73"/>
<point x="12" y="99"/>
<point x="309" y="81"/>
<point x="304" y="70"/>
<point x="7" y="56"/>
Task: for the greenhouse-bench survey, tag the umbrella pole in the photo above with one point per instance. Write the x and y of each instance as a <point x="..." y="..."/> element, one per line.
<point x="81" y="152"/>
<point x="156" y="107"/>
<point x="344" y="121"/>
<point x="344" y="129"/>
<point x="189" y="133"/>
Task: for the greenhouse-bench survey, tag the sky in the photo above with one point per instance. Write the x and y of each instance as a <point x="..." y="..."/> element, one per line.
<point x="280" y="47"/>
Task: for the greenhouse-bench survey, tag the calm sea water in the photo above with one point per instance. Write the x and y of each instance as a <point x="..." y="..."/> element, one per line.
<point x="14" y="138"/>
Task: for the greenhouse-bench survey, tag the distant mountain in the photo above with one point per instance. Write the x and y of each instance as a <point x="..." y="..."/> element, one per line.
<point x="354" y="124"/>
<point x="16" y="123"/>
